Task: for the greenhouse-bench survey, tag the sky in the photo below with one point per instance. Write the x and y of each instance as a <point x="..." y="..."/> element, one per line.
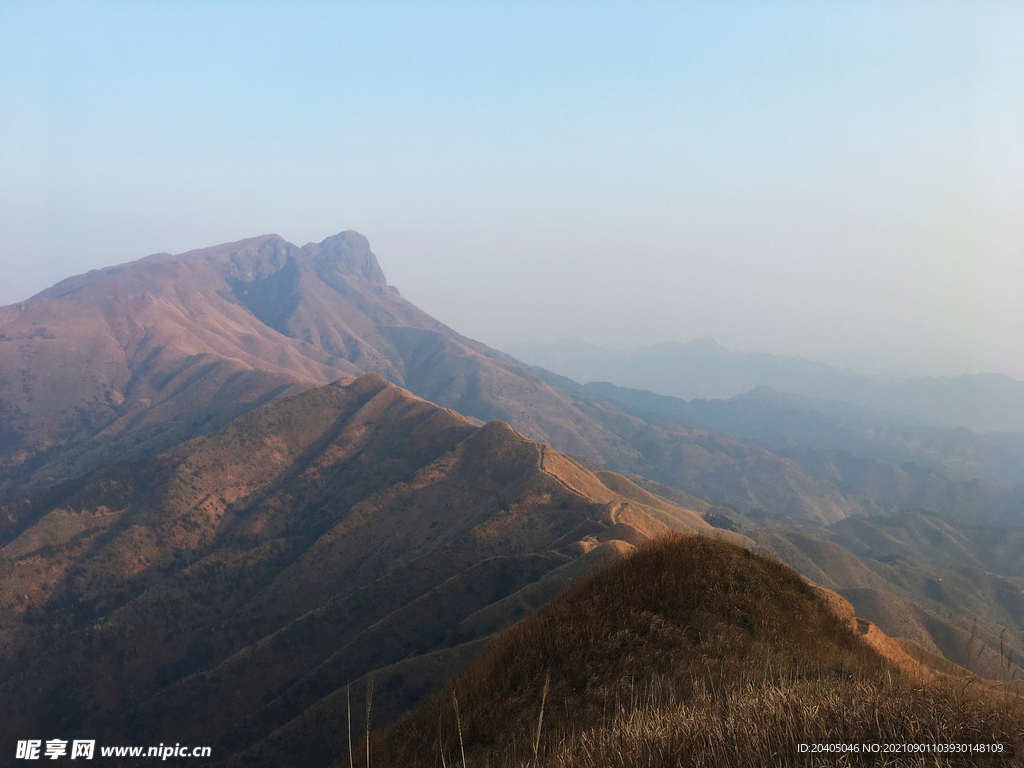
<point x="841" y="181"/>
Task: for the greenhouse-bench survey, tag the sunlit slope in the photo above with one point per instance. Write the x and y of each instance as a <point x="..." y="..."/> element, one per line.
<point x="692" y="651"/>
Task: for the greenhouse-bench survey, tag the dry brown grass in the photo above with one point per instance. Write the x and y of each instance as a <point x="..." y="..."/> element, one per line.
<point x="691" y="652"/>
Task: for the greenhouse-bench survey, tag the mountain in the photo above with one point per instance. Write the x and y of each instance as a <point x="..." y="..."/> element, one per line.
<point x="933" y="539"/>
<point x="197" y="526"/>
<point x="704" y="369"/>
<point x="811" y="458"/>
<point x="125" y="362"/>
<point x="690" y="652"/>
<point x="235" y="581"/>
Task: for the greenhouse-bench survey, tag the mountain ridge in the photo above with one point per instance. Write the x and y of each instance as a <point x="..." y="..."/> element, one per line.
<point x="123" y="363"/>
<point x="704" y="369"/>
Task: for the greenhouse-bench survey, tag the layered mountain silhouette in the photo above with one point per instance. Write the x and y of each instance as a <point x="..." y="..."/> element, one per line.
<point x="124" y="362"/>
<point x="235" y="581"/>
<point x="784" y="421"/>
<point x="704" y="369"/>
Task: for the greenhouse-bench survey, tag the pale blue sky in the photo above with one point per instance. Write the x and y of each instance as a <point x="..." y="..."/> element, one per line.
<point x="838" y="180"/>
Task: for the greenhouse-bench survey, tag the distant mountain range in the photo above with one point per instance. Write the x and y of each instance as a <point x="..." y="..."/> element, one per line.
<point x="704" y="369"/>
<point x="786" y="422"/>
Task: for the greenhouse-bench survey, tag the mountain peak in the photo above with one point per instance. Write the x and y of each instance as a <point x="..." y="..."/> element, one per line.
<point x="349" y="252"/>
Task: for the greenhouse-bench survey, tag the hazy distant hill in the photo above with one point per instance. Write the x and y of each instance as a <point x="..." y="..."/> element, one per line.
<point x="784" y="421"/>
<point x="124" y="362"/>
<point x="704" y="369"/>
<point x="236" y="580"/>
<point x="808" y="459"/>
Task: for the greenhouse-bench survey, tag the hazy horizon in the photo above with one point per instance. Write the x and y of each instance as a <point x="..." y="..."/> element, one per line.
<point x="840" y="183"/>
<point x="867" y="364"/>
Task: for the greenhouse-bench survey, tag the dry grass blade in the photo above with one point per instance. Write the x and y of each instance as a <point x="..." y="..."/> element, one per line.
<point x="458" y="726"/>
<point x="369" y="702"/>
<point x="540" y="718"/>
<point x="348" y="707"/>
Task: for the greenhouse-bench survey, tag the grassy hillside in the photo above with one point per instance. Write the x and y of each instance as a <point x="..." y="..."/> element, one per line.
<point x="238" y="580"/>
<point x="692" y="651"/>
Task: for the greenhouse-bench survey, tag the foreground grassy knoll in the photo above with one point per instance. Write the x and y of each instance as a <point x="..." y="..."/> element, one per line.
<point x="694" y="651"/>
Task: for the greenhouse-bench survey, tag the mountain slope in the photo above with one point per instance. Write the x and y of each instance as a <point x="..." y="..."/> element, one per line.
<point x="689" y="652"/>
<point x="716" y="467"/>
<point x="243" y="576"/>
<point x="966" y="614"/>
<point x="933" y="539"/>
<point x="125" y="362"/>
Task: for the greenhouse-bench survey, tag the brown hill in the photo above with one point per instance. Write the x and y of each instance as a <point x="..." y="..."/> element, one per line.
<point x="234" y="582"/>
<point x="122" y="363"/>
<point x="691" y="651"/>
